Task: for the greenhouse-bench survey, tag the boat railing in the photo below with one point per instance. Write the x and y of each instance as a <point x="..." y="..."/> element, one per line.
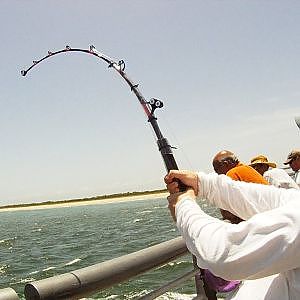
<point x="90" y="280"/>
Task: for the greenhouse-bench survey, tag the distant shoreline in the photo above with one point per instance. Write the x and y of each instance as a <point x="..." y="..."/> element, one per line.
<point x="121" y="197"/>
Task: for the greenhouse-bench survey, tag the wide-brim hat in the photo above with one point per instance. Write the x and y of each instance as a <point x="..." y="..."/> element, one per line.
<point x="293" y="154"/>
<point x="261" y="159"/>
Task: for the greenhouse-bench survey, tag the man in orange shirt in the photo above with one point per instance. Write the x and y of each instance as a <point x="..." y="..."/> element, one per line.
<point x="225" y="162"/>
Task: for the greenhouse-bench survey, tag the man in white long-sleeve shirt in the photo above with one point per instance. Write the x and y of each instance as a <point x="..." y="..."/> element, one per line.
<point x="264" y="250"/>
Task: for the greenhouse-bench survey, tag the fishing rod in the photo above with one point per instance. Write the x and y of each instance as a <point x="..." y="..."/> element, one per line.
<point x="149" y="108"/>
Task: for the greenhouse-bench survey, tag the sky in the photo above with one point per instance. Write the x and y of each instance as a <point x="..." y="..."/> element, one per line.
<point x="228" y="73"/>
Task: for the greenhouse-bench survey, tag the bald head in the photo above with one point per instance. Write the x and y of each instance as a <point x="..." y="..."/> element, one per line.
<point x="224" y="161"/>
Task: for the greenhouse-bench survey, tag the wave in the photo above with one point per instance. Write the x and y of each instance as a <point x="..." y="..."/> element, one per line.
<point x="176" y="296"/>
<point x="143" y="212"/>
<point x="24" y="280"/>
<point x="48" y="269"/>
<point x="73" y="261"/>
<point x="137" y="220"/>
<point x="166" y="296"/>
<point x="174" y="263"/>
<point x="52" y="268"/>
<point x="8" y="240"/>
<point x="3" y="269"/>
<point x="33" y="272"/>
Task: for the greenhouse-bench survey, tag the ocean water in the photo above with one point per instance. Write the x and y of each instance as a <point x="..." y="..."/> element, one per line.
<point x="36" y="244"/>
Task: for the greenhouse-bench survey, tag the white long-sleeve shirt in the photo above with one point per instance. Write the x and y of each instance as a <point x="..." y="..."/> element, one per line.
<point x="267" y="243"/>
<point x="280" y="178"/>
<point x="297" y="177"/>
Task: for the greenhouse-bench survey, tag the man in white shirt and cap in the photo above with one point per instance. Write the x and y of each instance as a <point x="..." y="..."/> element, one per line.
<point x="293" y="160"/>
<point x="263" y="250"/>
<point x="273" y="175"/>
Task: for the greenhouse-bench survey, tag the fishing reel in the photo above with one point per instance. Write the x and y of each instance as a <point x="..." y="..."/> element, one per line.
<point x="155" y="103"/>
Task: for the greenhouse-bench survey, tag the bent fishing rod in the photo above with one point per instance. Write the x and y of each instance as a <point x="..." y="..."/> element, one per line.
<point x="149" y="108"/>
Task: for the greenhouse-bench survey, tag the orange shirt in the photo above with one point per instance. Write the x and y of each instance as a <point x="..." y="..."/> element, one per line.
<point x="245" y="173"/>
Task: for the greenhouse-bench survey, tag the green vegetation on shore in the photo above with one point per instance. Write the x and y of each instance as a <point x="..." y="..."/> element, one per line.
<point x="103" y="197"/>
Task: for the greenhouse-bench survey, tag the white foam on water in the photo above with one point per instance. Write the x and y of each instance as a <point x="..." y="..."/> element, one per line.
<point x="25" y="280"/>
<point x="171" y="264"/>
<point x="73" y="261"/>
<point x="3" y="268"/>
<point x="166" y="296"/>
<point x="111" y="297"/>
<point x="47" y="269"/>
<point x="37" y="230"/>
<point x="7" y="240"/>
<point x="145" y="212"/>
<point x="175" y="296"/>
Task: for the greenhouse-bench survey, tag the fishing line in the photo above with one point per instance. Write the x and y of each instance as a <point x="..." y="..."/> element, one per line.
<point x="178" y="145"/>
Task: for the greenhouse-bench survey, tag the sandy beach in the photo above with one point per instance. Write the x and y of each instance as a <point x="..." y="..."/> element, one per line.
<point x="87" y="202"/>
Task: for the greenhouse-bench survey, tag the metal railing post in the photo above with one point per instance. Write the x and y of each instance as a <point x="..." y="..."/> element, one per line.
<point x="8" y="294"/>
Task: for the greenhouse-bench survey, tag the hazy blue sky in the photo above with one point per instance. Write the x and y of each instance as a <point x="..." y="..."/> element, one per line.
<point x="227" y="71"/>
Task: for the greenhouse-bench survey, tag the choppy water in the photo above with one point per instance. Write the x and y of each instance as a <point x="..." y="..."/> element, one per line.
<point x="42" y="243"/>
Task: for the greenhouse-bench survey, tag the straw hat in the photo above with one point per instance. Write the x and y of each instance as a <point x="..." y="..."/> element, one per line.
<point x="261" y="159"/>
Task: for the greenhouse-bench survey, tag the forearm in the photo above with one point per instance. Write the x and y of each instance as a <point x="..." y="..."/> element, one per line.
<point x="240" y="198"/>
<point x="266" y="244"/>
